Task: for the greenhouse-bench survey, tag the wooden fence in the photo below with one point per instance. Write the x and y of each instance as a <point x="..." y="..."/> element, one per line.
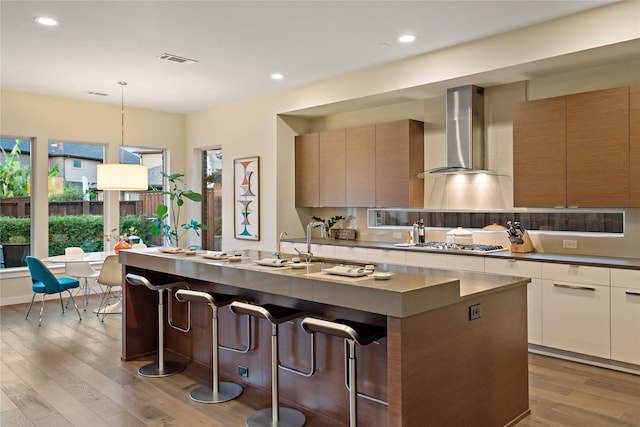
<point x="20" y="207"/>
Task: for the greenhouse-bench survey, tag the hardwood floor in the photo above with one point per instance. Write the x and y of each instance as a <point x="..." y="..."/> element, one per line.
<point x="69" y="373"/>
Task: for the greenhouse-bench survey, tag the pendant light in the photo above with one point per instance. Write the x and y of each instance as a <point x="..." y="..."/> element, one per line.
<point x="122" y="176"/>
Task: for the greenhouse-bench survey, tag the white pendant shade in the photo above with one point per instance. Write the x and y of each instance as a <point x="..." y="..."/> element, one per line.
<point x="123" y="177"/>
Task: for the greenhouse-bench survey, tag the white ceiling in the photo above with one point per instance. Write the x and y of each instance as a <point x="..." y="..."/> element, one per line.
<point x="237" y="44"/>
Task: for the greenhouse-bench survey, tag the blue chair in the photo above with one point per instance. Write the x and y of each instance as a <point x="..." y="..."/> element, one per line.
<point x="45" y="283"/>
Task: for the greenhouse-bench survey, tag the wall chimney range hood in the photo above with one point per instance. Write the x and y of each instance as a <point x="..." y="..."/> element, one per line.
<point x="464" y="132"/>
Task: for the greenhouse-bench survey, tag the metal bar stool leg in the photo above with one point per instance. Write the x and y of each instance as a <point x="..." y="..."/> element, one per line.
<point x="353" y="392"/>
<point x="274" y="416"/>
<point x="217" y="391"/>
<point x="162" y="368"/>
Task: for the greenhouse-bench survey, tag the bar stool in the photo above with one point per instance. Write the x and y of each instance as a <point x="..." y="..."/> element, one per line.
<point x="162" y="368"/>
<point x="274" y="314"/>
<point x="217" y="391"/>
<point x="353" y="333"/>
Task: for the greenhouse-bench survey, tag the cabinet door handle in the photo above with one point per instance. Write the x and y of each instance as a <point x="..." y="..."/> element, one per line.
<point x="632" y="293"/>
<point x="581" y="288"/>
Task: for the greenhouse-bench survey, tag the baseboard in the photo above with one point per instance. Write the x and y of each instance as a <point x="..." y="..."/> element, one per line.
<point x="585" y="359"/>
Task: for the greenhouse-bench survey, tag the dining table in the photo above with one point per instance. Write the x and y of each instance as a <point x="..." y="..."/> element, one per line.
<point x="91" y="258"/>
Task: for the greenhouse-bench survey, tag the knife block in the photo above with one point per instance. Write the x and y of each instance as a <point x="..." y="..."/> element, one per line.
<point x="525" y="246"/>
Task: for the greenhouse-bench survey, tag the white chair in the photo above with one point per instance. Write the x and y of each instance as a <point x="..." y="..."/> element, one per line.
<point x="80" y="269"/>
<point x="110" y="277"/>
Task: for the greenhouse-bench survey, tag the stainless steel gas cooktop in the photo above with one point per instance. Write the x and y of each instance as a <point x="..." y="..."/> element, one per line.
<point x="452" y="247"/>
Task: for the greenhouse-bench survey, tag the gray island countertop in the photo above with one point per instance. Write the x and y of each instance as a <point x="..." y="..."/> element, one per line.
<point x="409" y="291"/>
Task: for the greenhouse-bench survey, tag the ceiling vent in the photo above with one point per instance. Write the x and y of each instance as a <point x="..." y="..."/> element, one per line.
<point x="175" y="58"/>
<point x="97" y="93"/>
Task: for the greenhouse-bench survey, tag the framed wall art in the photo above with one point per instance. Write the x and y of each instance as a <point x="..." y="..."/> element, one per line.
<point x="246" y="192"/>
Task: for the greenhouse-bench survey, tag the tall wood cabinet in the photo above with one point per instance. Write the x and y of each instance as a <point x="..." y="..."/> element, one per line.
<point x="598" y="148"/>
<point x="367" y="166"/>
<point x="539" y="153"/>
<point x="574" y="151"/>
<point x="634" y="145"/>
<point x="399" y="159"/>
<point x="332" y="167"/>
<point x="361" y="158"/>
<point x="307" y="170"/>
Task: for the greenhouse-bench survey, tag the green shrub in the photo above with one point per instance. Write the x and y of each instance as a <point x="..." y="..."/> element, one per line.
<point x="14" y="230"/>
<point x="85" y="231"/>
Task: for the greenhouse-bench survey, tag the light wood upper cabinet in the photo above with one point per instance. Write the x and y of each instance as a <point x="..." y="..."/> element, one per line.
<point x="399" y="158"/>
<point x="307" y="170"/>
<point x="539" y="153"/>
<point x="598" y="148"/>
<point x="576" y="151"/>
<point x="368" y="166"/>
<point x="332" y="163"/>
<point x="634" y="145"/>
<point x="361" y="166"/>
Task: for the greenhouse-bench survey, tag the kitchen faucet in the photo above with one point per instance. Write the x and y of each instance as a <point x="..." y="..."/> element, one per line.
<point x="308" y="255"/>
<point x="277" y="252"/>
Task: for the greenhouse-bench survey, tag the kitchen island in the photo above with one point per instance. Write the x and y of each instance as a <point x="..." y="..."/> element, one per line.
<point x="435" y="367"/>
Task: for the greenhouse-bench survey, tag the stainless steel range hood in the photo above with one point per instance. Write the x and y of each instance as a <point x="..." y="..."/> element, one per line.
<point x="464" y="132"/>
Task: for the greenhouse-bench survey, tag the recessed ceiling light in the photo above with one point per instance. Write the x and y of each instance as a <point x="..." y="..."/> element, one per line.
<point x="408" y="38"/>
<point x="277" y="76"/>
<point x="49" y="22"/>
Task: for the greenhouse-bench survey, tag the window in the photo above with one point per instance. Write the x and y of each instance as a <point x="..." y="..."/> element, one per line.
<point x="75" y="207"/>
<point x="15" y="201"/>
<point x="212" y="202"/>
<point x="574" y="220"/>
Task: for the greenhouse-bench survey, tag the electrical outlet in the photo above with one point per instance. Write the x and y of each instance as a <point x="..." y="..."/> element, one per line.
<point x="474" y="312"/>
<point x="243" y="371"/>
<point x="397" y="235"/>
<point x="570" y="244"/>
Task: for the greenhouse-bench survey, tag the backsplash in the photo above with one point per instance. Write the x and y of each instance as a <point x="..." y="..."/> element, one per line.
<point x="626" y="244"/>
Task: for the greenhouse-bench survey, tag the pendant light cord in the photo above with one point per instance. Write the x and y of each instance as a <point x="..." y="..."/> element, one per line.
<point x="121" y="154"/>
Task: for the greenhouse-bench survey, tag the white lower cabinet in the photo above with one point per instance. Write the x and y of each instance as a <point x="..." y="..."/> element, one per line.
<point x="575" y="317"/>
<point x="350" y="253"/>
<point x="625" y="315"/>
<point x="386" y="256"/>
<point x="446" y="262"/>
<point x="532" y="269"/>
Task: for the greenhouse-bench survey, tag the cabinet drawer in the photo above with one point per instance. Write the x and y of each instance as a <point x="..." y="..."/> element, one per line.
<point x="625" y="278"/>
<point x="512" y="267"/>
<point x="625" y="325"/>
<point x="326" y="251"/>
<point x="575" y="317"/>
<point x="447" y="262"/>
<point x="576" y="273"/>
<point x="384" y="256"/>
<point x="351" y="254"/>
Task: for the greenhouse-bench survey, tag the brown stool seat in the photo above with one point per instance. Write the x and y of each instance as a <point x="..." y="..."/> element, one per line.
<point x="275" y="314"/>
<point x="361" y="333"/>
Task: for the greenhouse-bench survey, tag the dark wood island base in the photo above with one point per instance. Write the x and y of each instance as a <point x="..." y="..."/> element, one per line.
<point x="435" y="367"/>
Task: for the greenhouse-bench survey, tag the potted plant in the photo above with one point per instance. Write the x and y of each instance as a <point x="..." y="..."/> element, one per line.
<point x="167" y="223"/>
<point x="328" y="223"/>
